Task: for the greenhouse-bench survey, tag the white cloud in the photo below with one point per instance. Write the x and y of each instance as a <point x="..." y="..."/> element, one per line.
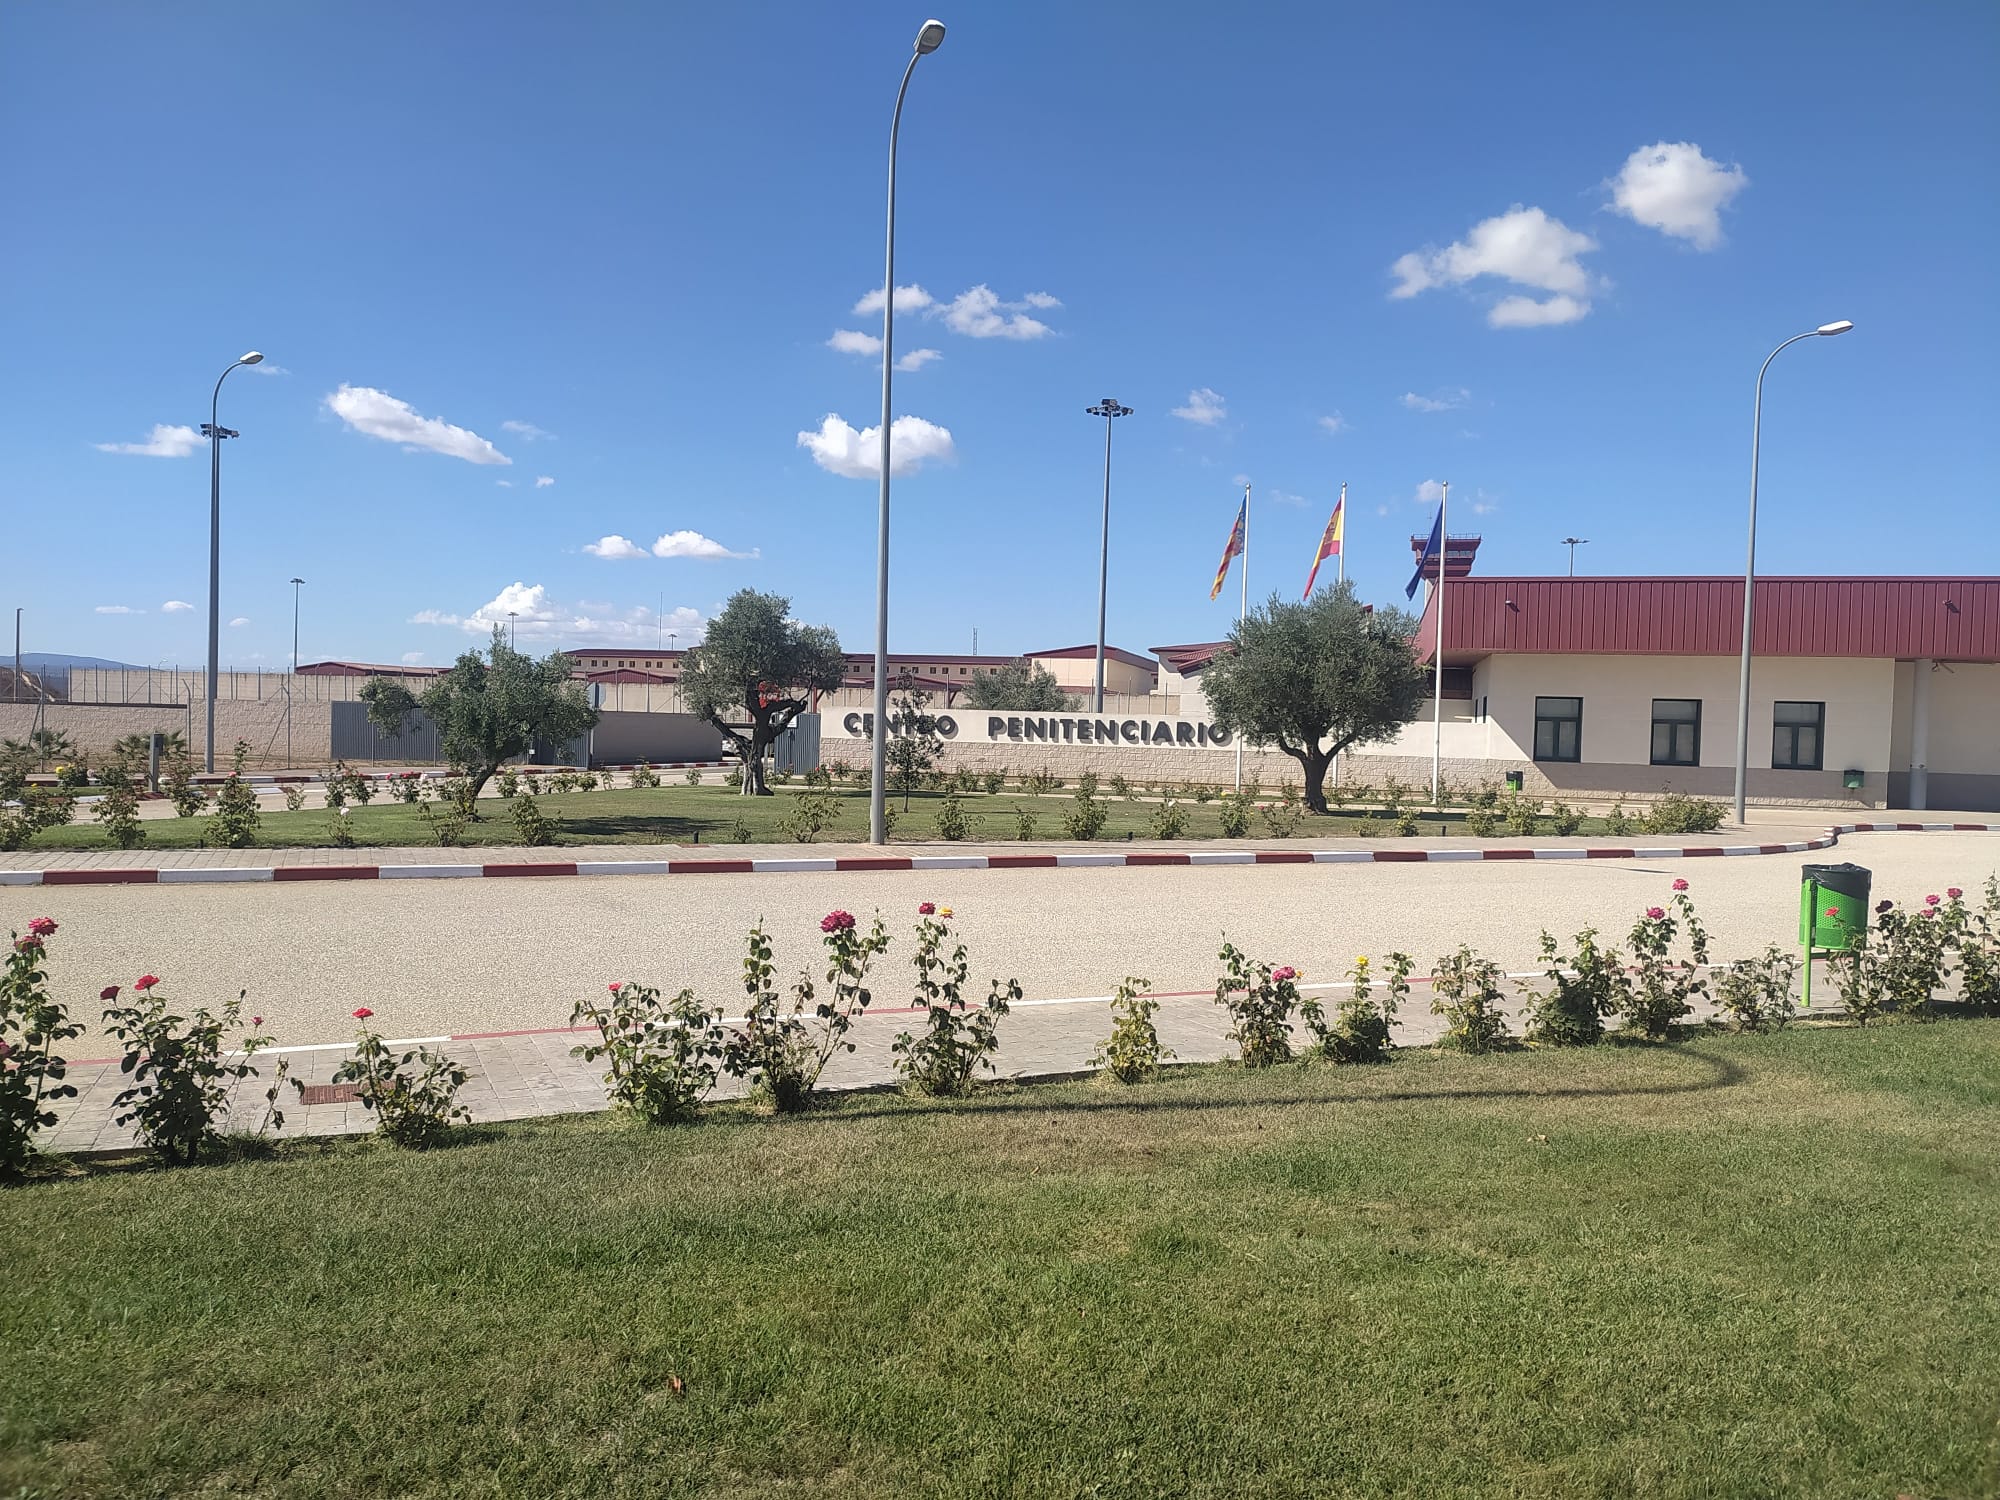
<point x="909" y="299"/>
<point x="694" y="544"/>
<point x="162" y="442"/>
<point x="979" y="313"/>
<point x="1429" y="492"/>
<point x="505" y="484"/>
<point x="1524" y="246"/>
<point x="1446" y="400"/>
<point x="1674" y="188"/>
<point x="542" y="482"/>
<point x="913" y="442"/>
<point x="548" y="622"/>
<point x="916" y="359"/>
<point x="615" y="547"/>
<point x="527" y="432"/>
<point x="1526" y="312"/>
<point x="1484" y="504"/>
<point x="265" y="367"/>
<point x="118" y="609"/>
<point x="175" y="606"/>
<point x="380" y="415"/>
<point x="411" y="658"/>
<point x="1333" y="422"/>
<point x="1204" y="407"/>
<point x="1282" y="497"/>
<point x="853" y="341"/>
<point x="239" y="621"/>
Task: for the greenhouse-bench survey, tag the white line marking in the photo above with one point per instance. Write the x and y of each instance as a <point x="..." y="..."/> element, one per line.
<point x="1222" y="857"/>
<point x="20" y="877"/>
<point x="949" y="862"/>
<point x="1455" y="856"/>
<point x="1079" y="861"/>
<point x="1343" y="857"/>
<point x="778" y="866"/>
<point x="429" y="872"/>
<point x="225" y="876"/>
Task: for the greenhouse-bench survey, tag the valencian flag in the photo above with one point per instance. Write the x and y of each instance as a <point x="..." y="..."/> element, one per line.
<point x="1329" y="543"/>
<point x="1234" y="549"/>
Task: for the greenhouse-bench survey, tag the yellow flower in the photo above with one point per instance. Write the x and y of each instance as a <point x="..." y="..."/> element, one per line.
<point x="1361" y="962"/>
<point x="944" y="911"/>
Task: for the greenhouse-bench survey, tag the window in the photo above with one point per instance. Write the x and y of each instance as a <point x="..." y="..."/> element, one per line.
<point x="1677" y="731"/>
<point x="1558" y="729"/>
<point x="1798" y="735"/>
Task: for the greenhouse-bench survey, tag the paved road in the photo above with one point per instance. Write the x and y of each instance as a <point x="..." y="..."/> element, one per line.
<point x="447" y="956"/>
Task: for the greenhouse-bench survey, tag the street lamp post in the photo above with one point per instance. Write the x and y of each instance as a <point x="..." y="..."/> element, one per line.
<point x="292" y="681"/>
<point x="1108" y="409"/>
<point x="1825" y="330"/>
<point x="510" y="629"/>
<point x="929" y="38"/>
<point x="1574" y="542"/>
<point x="215" y="432"/>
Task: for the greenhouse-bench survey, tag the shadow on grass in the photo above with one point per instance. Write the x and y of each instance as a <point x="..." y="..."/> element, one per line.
<point x="1713" y="1073"/>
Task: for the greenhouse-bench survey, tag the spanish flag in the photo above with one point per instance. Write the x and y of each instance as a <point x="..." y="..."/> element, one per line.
<point x="1234" y="549"/>
<point x="1329" y="542"/>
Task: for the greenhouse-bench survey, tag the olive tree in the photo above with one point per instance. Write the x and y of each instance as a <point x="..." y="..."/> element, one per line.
<point x="1022" y="686"/>
<point x="755" y="672"/>
<point x="1316" y="678"/>
<point x="488" y="709"/>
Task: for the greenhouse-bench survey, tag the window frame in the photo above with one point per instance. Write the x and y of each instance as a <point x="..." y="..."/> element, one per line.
<point x="1653" y="740"/>
<point x="1817" y="726"/>
<point x="1576" y="719"/>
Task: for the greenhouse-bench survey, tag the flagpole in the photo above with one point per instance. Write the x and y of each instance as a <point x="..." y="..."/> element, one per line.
<point x="1341" y="556"/>
<point x="1242" y="609"/>
<point x="1437" y="650"/>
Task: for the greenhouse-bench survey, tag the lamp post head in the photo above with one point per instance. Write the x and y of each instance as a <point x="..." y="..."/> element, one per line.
<point x="1109" y="407"/>
<point x="1828" y="330"/>
<point x="252" y="358"/>
<point x="297" y="581"/>
<point x="931" y="37"/>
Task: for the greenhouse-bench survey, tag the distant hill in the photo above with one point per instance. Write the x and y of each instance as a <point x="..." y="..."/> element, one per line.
<point x="43" y="661"/>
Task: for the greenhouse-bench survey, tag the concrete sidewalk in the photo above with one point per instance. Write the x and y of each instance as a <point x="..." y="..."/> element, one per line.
<point x="520" y="1075"/>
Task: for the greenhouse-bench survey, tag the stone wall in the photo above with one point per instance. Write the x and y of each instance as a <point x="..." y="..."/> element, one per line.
<point x="95" y="728"/>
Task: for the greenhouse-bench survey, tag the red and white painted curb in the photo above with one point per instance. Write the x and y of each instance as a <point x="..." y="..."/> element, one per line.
<point x="854" y="864"/>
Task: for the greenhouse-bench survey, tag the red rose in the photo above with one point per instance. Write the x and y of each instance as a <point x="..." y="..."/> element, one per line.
<point x="1953" y="891"/>
<point x="362" y="1013"/>
<point x="1833" y="911"/>
<point x="613" y="988"/>
<point x="1680" y="885"/>
<point x="927" y="909"/>
<point x="256" y="1020"/>
<point x="42" y="926"/>
<point x="145" y="981"/>
<point x="836" y="921"/>
<point x="109" y="992"/>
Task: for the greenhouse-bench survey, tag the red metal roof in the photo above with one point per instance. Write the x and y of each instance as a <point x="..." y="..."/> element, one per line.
<point x="1089" y="653"/>
<point x="1950" y="619"/>
<point x="362" y="669"/>
<point x="629" y="674"/>
<point x="1190" y="658"/>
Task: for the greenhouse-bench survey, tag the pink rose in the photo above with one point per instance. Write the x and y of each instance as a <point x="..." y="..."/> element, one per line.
<point x="28" y="944"/>
<point x="1680" y="885"/>
<point x="1833" y="911"/>
<point x="145" y="981"/>
<point x="362" y="1013"/>
<point x="256" y="1020"/>
<point x="1287" y="972"/>
<point x="1953" y="892"/>
<point x="836" y="921"/>
<point x="613" y="988"/>
<point x="1656" y="912"/>
<point x="42" y="927"/>
<point x="1930" y="901"/>
<point x="927" y="909"/>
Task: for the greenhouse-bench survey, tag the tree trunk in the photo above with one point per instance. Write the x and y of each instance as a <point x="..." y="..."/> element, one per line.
<point x="753" y="765"/>
<point x="1314" y="761"/>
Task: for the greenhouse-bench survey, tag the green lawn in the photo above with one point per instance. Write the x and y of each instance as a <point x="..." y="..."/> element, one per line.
<point x="682" y="814"/>
<point x="1734" y="1267"/>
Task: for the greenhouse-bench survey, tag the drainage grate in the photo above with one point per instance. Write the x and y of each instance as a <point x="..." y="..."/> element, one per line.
<point x="330" y="1093"/>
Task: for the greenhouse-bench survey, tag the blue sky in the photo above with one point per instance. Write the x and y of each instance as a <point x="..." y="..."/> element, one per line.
<point x="611" y="243"/>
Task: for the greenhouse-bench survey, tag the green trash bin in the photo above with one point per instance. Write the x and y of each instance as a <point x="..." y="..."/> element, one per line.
<point x="1833" y="911"/>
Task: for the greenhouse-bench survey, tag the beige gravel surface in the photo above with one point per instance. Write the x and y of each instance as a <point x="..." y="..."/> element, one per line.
<point x="451" y="956"/>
